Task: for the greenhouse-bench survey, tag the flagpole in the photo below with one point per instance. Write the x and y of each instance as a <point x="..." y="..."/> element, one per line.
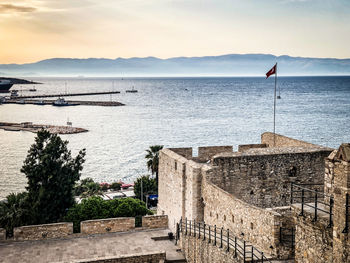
<point x="274" y="110"/>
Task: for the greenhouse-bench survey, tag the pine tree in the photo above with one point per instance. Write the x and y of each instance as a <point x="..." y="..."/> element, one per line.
<point x="52" y="173"/>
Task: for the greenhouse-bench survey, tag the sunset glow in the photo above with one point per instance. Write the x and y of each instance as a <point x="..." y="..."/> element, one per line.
<point x="32" y="30"/>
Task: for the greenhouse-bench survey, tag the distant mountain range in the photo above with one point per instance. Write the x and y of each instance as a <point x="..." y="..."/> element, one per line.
<point x="225" y="65"/>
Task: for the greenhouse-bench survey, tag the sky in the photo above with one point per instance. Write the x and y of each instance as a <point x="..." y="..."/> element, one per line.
<point x="33" y="30"/>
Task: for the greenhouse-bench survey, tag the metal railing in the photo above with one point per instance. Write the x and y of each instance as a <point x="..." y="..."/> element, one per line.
<point x="222" y="238"/>
<point x="313" y="199"/>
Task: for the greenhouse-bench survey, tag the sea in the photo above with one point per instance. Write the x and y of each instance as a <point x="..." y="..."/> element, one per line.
<point x="174" y="112"/>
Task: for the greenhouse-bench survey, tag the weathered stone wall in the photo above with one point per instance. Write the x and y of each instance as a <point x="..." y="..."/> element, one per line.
<point x="119" y="224"/>
<point x="172" y="186"/>
<point x="155" y="221"/>
<point x="37" y="232"/>
<point x="245" y="147"/>
<point x="184" y="152"/>
<point x="282" y="141"/>
<point x="262" y="177"/>
<point x="2" y="234"/>
<point x="313" y="240"/>
<point x="208" y="151"/>
<point x="256" y="225"/>
<point x="133" y="258"/>
<point x="337" y="179"/>
<point x="200" y="251"/>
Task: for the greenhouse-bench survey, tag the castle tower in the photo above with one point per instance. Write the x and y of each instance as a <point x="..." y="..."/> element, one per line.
<point x="338" y="181"/>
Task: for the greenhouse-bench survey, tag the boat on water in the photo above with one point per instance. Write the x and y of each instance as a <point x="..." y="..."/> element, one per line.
<point x="32" y="90"/>
<point x="39" y="102"/>
<point x="131" y="90"/>
<point x="62" y="102"/>
<point x="5" y="85"/>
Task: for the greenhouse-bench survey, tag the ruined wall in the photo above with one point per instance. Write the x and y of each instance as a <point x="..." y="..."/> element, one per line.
<point x="37" y="232"/>
<point x="98" y="226"/>
<point x="282" y="141"/>
<point x="313" y="240"/>
<point x="200" y="251"/>
<point x="253" y="224"/>
<point x="133" y="258"/>
<point x="263" y="178"/>
<point x="155" y="221"/>
<point x="2" y="234"/>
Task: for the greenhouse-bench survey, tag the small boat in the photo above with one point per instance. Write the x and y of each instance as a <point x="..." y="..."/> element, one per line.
<point x="14" y="93"/>
<point x="39" y="102"/>
<point x="32" y="90"/>
<point x="131" y="90"/>
<point x="62" y="102"/>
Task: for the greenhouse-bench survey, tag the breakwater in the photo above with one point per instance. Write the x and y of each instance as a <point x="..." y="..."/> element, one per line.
<point x="29" y="126"/>
<point x="75" y="102"/>
<point x="67" y="95"/>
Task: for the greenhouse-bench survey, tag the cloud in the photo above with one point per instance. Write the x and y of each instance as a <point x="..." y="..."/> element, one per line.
<point x="9" y="8"/>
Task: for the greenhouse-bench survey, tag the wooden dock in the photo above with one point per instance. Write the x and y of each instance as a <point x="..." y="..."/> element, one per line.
<point x="67" y="95"/>
<point x="28" y="126"/>
<point x="50" y="102"/>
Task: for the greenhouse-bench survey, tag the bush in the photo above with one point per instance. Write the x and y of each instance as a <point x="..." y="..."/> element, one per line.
<point x="87" y="187"/>
<point x="97" y="208"/>
<point x="115" y="186"/>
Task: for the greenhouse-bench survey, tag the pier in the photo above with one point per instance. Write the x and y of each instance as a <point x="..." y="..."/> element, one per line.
<point x="67" y="95"/>
<point x="28" y="126"/>
<point x="75" y="102"/>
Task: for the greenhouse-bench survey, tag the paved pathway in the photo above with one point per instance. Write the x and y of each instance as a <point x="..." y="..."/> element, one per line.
<point x="87" y="247"/>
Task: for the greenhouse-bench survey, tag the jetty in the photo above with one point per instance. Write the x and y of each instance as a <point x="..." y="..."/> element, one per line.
<point x="17" y="100"/>
<point x="67" y="95"/>
<point x="29" y="126"/>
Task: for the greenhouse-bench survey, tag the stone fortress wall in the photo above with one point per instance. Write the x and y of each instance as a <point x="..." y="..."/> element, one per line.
<point x="88" y="227"/>
<point x="245" y="191"/>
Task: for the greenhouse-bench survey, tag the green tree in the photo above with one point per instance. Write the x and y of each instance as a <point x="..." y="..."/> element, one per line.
<point x="149" y="186"/>
<point x="15" y="211"/>
<point x="96" y="208"/>
<point x="152" y="157"/>
<point x="51" y="172"/>
<point x="87" y="187"/>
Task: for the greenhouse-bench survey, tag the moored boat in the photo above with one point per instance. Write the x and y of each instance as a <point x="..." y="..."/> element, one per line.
<point x="62" y="102"/>
<point x="131" y="90"/>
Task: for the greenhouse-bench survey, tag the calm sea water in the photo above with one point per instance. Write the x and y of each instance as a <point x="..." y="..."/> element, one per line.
<point x="175" y="112"/>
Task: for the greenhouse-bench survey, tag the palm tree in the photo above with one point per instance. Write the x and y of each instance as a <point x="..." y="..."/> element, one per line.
<point x="153" y="159"/>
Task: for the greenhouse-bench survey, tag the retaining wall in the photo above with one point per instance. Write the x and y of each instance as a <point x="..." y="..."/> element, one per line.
<point x="133" y="258"/>
<point x="37" y="232"/>
<point x="2" y="234"/>
<point x="155" y="221"/>
<point x="99" y="226"/>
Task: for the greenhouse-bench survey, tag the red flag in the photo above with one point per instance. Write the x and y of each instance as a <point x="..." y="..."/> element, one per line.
<point x="271" y="71"/>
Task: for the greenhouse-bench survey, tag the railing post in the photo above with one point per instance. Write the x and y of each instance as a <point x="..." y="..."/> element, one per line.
<point x="262" y="257"/>
<point x="186" y="227"/>
<point x="302" y="202"/>
<point x="291" y="193"/>
<point x="203" y="231"/>
<point x="243" y="251"/>
<point x="199" y="230"/>
<point x="315" y="218"/>
<point x="194" y="226"/>
<point x="190" y="227"/>
<point x="252" y="254"/>
<point x="346" y="229"/>
<point x="331" y="202"/>
<point x="235" y="246"/>
<point x="221" y="237"/>
<point x="228" y="240"/>
<point x="177" y="233"/>
<point x="209" y="241"/>
<point x="215" y="235"/>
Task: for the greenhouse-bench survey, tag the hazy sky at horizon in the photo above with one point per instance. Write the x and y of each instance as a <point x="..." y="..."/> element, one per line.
<point x="32" y="30"/>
